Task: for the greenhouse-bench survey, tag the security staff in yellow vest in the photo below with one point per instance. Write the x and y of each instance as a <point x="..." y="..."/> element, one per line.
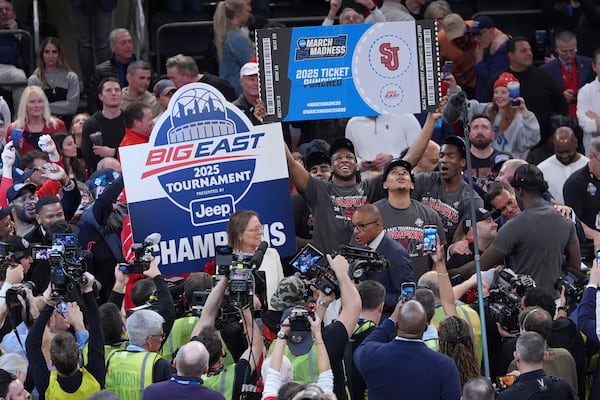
<point x="68" y="381"/>
<point x="130" y="371"/>
<point x="239" y="378"/>
<point x="182" y="328"/>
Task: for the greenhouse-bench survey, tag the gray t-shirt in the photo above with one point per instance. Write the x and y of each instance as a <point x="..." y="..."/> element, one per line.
<point x="534" y="243"/>
<point x="333" y="207"/>
<point x="451" y="206"/>
<point x="406" y="227"/>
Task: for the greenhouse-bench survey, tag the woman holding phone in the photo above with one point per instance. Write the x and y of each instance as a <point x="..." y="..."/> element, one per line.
<point x="33" y="120"/>
<point x="516" y="128"/>
<point x="245" y="234"/>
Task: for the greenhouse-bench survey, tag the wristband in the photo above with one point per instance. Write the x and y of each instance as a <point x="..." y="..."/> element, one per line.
<point x="281" y="335"/>
<point x="562" y="308"/>
<point x="68" y="187"/>
<point x="322" y="303"/>
<point x="374" y="8"/>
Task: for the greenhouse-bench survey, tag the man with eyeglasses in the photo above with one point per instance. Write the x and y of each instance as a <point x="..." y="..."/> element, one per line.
<point x="130" y="371"/>
<point x="568" y="70"/>
<point x="367" y="226"/>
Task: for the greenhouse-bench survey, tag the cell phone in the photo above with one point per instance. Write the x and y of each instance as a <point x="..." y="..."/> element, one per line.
<point x="515" y="103"/>
<point x="505" y="381"/>
<point x="96" y="138"/>
<point x="429" y="238"/>
<point x="408" y="291"/>
<point x="40" y="252"/>
<point x="308" y="256"/>
<point x="598" y="257"/>
<point x="447" y="70"/>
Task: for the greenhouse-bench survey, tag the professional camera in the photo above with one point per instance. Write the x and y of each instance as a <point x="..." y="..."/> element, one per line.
<point x="363" y="262"/>
<point x="504" y="300"/>
<point x="299" y="319"/>
<point x="574" y="283"/>
<point x="198" y="301"/>
<point x="141" y="251"/>
<point x="67" y="263"/>
<point x="13" y="293"/>
<point x="244" y="279"/>
<point x="313" y="266"/>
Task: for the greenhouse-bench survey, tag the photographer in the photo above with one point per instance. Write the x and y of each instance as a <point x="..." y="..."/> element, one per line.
<point x="198" y="283"/>
<point x="245" y="374"/>
<point x="64" y="352"/>
<point x="273" y="377"/>
<point x="156" y="296"/>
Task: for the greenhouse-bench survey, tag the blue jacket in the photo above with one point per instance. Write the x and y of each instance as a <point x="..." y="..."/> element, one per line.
<point x="586" y="321"/>
<point x="584" y="71"/>
<point x="405" y="368"/>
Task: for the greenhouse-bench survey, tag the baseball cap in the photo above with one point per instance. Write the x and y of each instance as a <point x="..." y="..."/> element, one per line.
<point x="314" y="145"/>
<point x="454" y="26"/>
<point x="4" y="211"/>
<point x="289" y="293"/>
<point x="299" y="342"/>
<point x="316" y="158"/>
<point x="100" y="180"/>
<point x="18" y="189"/>
<point x="341" y="143"/>
<point x="481" y="214"/>
<point x="163" y="87"/>
<point x="20" y="176"/>
<point x="529" y="176"/>
<point x="481" y="22"/>
<point x="498" y="159"/>
<point x="250" y="68"/>
<point x="398" y="162"/>
<point x="458" y="142"/>
<point x="19" y="246"/>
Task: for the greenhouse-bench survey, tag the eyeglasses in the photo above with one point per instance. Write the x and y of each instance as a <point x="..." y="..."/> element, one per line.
<point x="162" y="336"/>
<point x="360" y="227"/>
<point x="256" y="229"/>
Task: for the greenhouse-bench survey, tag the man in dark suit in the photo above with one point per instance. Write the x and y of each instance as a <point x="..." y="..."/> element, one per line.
<point x="569" y="71"/>
<point x="422" y="373"/>
<point x="367" y="228"/>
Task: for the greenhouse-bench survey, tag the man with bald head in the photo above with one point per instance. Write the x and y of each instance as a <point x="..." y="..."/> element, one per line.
<point x="566" y="160"/>
<point x="191" y="363"/>
<point x="508" y="169"/>
<point x="405" y="365"/>
<point x="430" y="159"/>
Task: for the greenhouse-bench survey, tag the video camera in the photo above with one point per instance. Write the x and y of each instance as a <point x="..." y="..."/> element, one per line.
<point x="244" y="279"/>
<point x="141" y="251"/>
<point x="6" y="259"/>
<point x="504" y="300"/>
<point x="299" y="319"/>
<point x="313" y="266"/>
<point x="67" y="263"/>
<point x="175" y="285"/>
<point x="363" y="262"/>
<point x="574" y="283"/>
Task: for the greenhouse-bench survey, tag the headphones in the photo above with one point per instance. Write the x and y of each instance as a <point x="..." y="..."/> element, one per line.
<point x="525" y="319"/>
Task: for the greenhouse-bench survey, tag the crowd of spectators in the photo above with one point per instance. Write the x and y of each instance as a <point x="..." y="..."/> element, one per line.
<point x="378" y="184"/>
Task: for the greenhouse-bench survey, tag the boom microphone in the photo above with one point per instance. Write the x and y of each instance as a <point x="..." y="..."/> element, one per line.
<point x="152" y="239"/>
<point x="455" y="107"/>
<point x="258" y="256"/>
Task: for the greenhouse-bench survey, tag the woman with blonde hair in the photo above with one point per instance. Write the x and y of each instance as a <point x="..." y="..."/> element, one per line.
<point x="55" y="77"/>
<point x="34" y="119"/>
<point x="234" y="47"/>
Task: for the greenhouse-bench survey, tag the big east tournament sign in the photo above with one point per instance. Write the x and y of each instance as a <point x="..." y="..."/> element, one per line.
<point x="347" y="70"/>
<point x="204" y="161"/>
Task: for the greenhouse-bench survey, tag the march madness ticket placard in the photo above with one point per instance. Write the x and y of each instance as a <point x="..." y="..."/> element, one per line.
<point x="348" y="70"/>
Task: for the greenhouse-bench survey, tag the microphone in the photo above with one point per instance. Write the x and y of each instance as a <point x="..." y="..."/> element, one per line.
<point x="455" y="107"/>
<point x="151" y="240"/>
<point x="258" y="256"/>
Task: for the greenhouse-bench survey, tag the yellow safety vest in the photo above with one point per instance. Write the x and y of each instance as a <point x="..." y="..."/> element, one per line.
<point x="222" y="382"/>
<point x="180" y="335"/>
<point x="89" y="385"/>
<point x="305" y="366"/>
<point x="465" y="312"/>
<point x="128" y="373"/>
<point x="108" y="349"/>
